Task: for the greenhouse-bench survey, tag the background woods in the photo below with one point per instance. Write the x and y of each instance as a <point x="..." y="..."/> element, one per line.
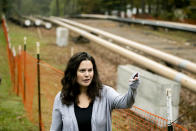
<point x="163" y="9"/>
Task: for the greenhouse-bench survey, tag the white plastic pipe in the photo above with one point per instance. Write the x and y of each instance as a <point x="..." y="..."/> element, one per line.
<point x="186" y="64"/>
<point x="185" y="80"/>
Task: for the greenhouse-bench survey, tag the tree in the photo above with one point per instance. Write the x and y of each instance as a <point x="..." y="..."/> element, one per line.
<point x="143" y="3"/>
<point x="5" y="7"/>
<point x="57" y="8"/>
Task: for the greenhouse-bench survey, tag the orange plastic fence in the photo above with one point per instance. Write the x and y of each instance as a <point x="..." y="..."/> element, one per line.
<point x="23" y="70"/>
<point x="138" y="119"/>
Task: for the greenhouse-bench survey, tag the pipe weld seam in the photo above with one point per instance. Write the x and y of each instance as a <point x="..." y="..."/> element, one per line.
<point x="179" y="77"/>
<point x="183" y="63"/>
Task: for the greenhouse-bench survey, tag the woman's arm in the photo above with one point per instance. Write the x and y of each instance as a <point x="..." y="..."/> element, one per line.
<point x="56" y="115"/>
<point x="118" y="101"/>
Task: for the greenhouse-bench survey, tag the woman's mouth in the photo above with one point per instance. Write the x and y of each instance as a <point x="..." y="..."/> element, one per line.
<point x="86" y="80"/>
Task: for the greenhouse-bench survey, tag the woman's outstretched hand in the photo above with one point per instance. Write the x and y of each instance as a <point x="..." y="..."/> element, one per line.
<point x="134" y="81"/>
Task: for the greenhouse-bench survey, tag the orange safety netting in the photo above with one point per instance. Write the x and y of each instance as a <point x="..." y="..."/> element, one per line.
<point x="138" y="119"/>
<point x="23" y="69"/>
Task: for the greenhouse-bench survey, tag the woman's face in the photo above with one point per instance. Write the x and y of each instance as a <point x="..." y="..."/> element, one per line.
<point x="85" y="73"/>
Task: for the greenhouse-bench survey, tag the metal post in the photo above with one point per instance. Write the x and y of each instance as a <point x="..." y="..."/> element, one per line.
<point x="25" y="68"/>
<point x="38" y="84"/>
<point x="169" y="109"/>
<point x="170" y="127"/>
<point x="14" y="70"/>
<point x="19" y="69"/>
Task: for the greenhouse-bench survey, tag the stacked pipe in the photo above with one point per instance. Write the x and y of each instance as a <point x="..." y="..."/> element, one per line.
<point x="40" y="23"/>
<point x="21" y="21"/>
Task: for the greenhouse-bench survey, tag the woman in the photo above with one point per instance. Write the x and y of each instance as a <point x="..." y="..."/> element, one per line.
<point x="85" y="104"/>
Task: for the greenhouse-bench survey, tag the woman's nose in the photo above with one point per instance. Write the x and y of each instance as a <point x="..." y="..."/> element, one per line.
<point x="86" y="73"/>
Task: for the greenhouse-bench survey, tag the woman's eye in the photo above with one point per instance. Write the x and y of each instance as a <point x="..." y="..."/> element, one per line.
<point x="90" y="70"/>
<point x="82" y="70"/>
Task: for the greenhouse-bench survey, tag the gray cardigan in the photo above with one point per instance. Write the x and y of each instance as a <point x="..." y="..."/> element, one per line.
<point x="63" y="116"/>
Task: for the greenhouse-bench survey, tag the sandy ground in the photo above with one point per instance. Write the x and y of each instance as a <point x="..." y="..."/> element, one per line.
<point x="175" y="42"/>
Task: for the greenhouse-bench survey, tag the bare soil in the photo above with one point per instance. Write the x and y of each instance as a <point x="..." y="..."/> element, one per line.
<point x="182" y="44"/>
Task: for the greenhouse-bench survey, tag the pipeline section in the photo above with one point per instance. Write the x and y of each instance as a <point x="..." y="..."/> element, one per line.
<point x="182" y="63"/>
<point x="172" y="74"/>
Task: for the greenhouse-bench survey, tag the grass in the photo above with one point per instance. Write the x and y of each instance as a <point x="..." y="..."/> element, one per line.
<point x="17" y="35"/>
<point x="12" y="113"/>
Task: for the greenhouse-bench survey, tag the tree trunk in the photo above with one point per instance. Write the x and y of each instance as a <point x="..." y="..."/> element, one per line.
<point x="149" y="8"/>
<point x="137" y="10"/>
<point x="76" y="7"/>
<point x="143" y="6"/>
<point x="157" y="7"/>
<point x="19" y="5"/>
<point x="149" y="3"/>
<point x="73" y="7"/>
<point x="66" y="5"/>
<point x="131" y="2"/>
<point x="4" y="6"/>
<point x="57" y="8"/>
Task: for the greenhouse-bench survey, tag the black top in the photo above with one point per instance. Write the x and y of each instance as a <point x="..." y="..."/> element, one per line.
<point x="83" y="116"/>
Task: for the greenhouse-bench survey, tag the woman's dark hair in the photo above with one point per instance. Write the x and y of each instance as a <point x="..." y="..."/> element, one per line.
<point x="71" y="89"/>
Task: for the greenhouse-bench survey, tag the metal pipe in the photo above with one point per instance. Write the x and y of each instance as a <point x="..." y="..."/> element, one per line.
<point x="21" y="21"/>
<point x="39" y="22"/>
<point x="162" y="24"/>
<point x="185" y="80"/>
<point x="182" y="63"/>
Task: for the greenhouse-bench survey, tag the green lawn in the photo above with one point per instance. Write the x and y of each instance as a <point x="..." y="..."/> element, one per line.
<point x="12" y="113"/>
